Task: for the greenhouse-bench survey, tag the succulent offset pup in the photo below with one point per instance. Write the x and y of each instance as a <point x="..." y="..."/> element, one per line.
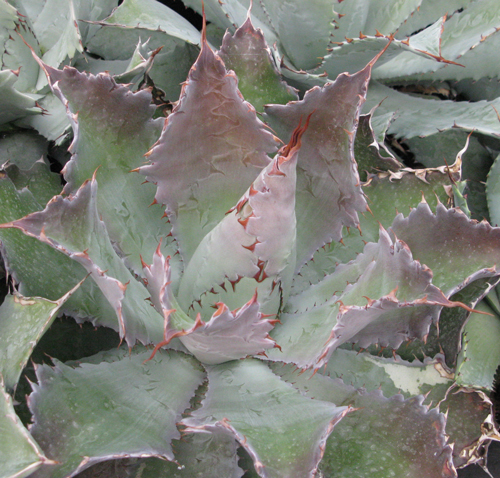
<point x="289" y="298"/>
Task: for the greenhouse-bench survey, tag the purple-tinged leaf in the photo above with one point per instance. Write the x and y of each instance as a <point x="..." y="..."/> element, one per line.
<point x="283" y="431"/>
<point x="248" y="55"/>
<point x="468" y="423"/>
<point x="327" y="178"/>
<point x="113" y="129"/>
<point x="401" y="304"/>
<point x="71" y="225"/>
<point x="457" y="249"/>
<point x="387" y="193"/>
<point x="228" y="335"/>
<point x="39" y="270"/>
<point x="119" y="407"/>
<point x="411" y="438"/>
<point x="253" y="246"/>
<point x="211" y="149"/>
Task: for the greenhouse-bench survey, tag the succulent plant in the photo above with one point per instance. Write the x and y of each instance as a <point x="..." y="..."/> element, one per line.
<point x="271" y="291"/>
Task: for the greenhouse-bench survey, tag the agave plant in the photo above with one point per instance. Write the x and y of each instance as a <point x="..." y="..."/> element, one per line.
<point x="288" y="299"/>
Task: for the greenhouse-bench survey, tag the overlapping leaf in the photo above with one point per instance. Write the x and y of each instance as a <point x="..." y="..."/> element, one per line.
<point x="212" y="142"/>
<point x="423" y="117"/>
<point x="148" y="20"/>
<point x="393" y="421"/>
<point x="450" y="232"/>
<point x="118" y="407"/>
<point x="283" y="431"/>
<point x="402" y="303"/>
<point x="248" y="55"/>
<point x="327" y="178"/>
<point x="72" y="226"/>
<point x="38" y="269"/>
<point x="303" y="37"/>
<point x="123" y="119"/>
<point x="253" y="246"/>
<point x="228" y="335"/>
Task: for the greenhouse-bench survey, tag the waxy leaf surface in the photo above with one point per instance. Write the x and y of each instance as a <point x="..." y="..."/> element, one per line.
<point x="212" y="143"/>
<point x="253" y="246"/>
<point x="20" y="455"/>
<point x="72" y="226"/>
<point x="450" y="232"/>
<point x="23" y="320"/>
<point x="283" y="431"/>
<point x="103" y="113"/>
<point x="327" y="178"/>
<point x="248" y="55"/>
<point x="228" y="335"/>
<point x="119" y="407"/>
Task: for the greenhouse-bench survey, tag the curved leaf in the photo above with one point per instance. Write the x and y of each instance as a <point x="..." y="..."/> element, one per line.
<point x="23" y="320"/>
<point x="20" y="455"/>
<point x="248" y="55"/>
<point x="253" y="246"/>
<point x="124" y="120"/>
<point x="327" y="178"/>
<point x="119" y="407"/>
<point x="438" y="241"/>
<point x="283" y="431"/>
<point x="228" y="335"/>
<point x="72" y="226"/>
<point x="212" y="142"/>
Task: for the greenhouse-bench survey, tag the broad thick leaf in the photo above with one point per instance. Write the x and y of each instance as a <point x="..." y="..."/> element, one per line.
<point x="439" y="241"/>
<point x="373" y="15"/>
<point x="124" y="120"/>
<point x="423" y="117"/>
<point x="391" y="423"/>
<point x="402" y="304"/>
<point x="253" y="246"/>
<point x="427" y="12"/>
<point x="228" y="335"/>
<point x="480" y="355"/>
<point x="387" y="193"/>
<point x="119" y="407"/>
<point x="20" y="455"/>
<point x="42" y="271"/>
<point x="248" y="55"/>
<point x="283" y="431"/>
<point x="23" y="320"/>
<point x="72" y="226"/>
<point x="351" y="54"/>
<point x="391" y="375"/>
<point x="211" y="149"/>
<point x="327" y="178"/>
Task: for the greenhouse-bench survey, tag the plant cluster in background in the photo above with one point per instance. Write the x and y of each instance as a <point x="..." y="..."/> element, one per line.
<point x="253" y="251"/>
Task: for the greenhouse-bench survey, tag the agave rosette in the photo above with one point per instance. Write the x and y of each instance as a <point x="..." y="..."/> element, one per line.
<point x="241" y="259"/>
